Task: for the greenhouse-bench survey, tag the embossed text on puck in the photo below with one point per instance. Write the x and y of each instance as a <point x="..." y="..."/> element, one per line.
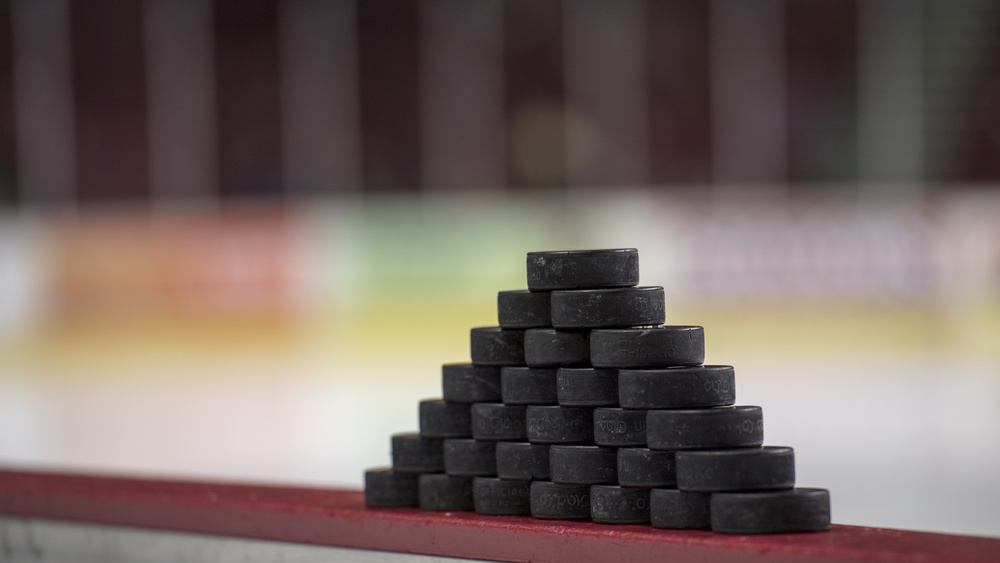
<point x="662" y="346"/>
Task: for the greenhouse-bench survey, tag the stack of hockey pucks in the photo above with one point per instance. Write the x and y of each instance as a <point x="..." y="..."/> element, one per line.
<point x="582" y="405"/>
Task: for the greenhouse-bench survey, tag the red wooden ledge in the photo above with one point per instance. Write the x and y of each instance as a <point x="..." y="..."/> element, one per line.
<point x="339" y="518"/>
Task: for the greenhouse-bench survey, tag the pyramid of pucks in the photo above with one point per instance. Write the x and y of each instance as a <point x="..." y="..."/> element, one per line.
<point x="583" y="405"/>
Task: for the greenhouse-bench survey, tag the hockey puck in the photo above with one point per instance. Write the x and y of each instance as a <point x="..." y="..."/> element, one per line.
<point x="466" y="457"/>
<point x="385" y="488"/>
<point x="618" y="427"/>
<point x="445" y="492"/>
<point x="740" y="469"/>
<point x="495" y="346"/>
<point x="646" y="468"/>
<point x="778" y="512"/>
<point x="677" y="388"/>
<point x="574" y="269"/>
<point x="440" y="419"/>
<point x="498" y="497"/>
<point x="560" y="425"/>
<point x="496" y="421"/>
<point x="522" y="461"/>
<point x="550" y="348"/>
<point x="583" y="465"/>
<point x="466" y="383"/>
<point x="587" y="387"/>
<point x="528" y="386"/>
<point x="523" y="309"/>
<point x="679" y="510"/>
<point x="610" y="504"/>
<point x="688" y="429"/>
<point x="608" y="308"/>
<point x="560" y="502"/>
<point x="412" y="453"/>
<point x="661" y="346"/>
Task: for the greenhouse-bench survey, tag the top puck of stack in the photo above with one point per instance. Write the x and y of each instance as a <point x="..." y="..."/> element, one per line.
<point x="608" y="308"/>
<point x="774" y="512"/>
<point x="741" y="469"/>
<point x="523" y="309"/>
<point x="467" y="383"/>
<point x="577" y="269"/>
<point x="662" y="346"/>
<point x="495" y="346"/>
<point x="691" y="429"/>
<point x="677" y="388"/>
<point x="439" y="419"/>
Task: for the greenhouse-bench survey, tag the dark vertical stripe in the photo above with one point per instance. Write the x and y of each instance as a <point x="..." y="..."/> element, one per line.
<point x="8" y="157"/>
<point x="679" y="92"/>
<point x="390" y="106"/>
<point x="110" y="90"/>
<point x="247" y="88"/>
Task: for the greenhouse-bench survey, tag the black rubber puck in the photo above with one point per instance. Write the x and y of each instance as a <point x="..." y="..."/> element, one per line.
<point x="523" y="309"/>
<point x="466" y="383"/>
<point x="583" y="465"/>
<point x="522" y="461"/>
<point x="550" y="348"/>
<point x="608" y="308"/>
<point x="679" y="510"/>
<point x="498" y="497"/>
<point x="495" y="346"/>
<point x="496" y="421"/>
<point x="412" y="453"/>
<point x="741" y="469"/>
<point x="440" y="419"/>
<point x="688" y="429"/>
<point x="528" y="386"/>
<point x="677" y="388"/>
<point x="445" y="492"/>
<point x="575" y="269"/>
<point x="618" y="427"/>
<point x="646" y="468"/>
<point x="560" y="502"/>
<point x="385" y="488"/>
<point x="610" y="504"/>
<point x="466" y="457"/>
<point x="587" y="387"/>
<point x="779" y="512"/>
<point x="661" y="346"/>
<point x="560" y="425"/>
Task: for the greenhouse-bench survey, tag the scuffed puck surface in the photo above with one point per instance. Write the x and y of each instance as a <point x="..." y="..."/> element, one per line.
<point x="445" y="492"/>
<point x="677" y="388"/>
<point x="499" y="497"/>
<point x="587" y="387"/>
<point x="661" y="346"/>
<point x="467" y="457"/>
<point x="385" y="488"/>
<point x="523" y="309"/>
<point x="679" y="510"/>
<point x="646" y="468"/>
<point x="619" y="427"/>
<point x="412" y="453"/>
<point x="608" y="308"/>
<point x="583" y="465"/>
<point x="496" y="421"/>
<point x="573" y="269"/>
<point x="743" y="469"/>
<point x="522" y="461"/>
<point x="610" y="504"/>
<point x="551" y="348"/>
<point x="779" y="512"/>
<point x="495" y="346"/>
<point x="560" y="425"/>
<point x="528" y="386"/>
<point x="560" y="502"/>
<point x="686" y="429"/>
<point x="467" y="383"/>
<point x="440" y="419"/>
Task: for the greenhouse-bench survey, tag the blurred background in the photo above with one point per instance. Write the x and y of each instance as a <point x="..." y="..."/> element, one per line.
<point x="239" y="237"/>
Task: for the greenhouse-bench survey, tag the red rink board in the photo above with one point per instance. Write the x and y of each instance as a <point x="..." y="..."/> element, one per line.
<point x="339" y="518"/>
